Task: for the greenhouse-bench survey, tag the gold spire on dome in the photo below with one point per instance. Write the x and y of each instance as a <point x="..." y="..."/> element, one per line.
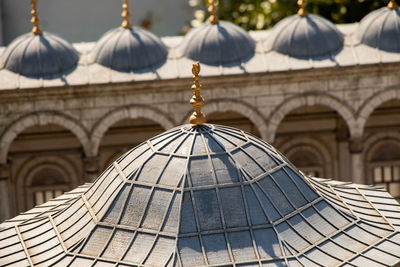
<point x="392" y="4"/>
<point x="213" y="9"/>
<point x="302" y="11"/>
<point x="197" y="100"/>
<point x="35" y="19"/>
<point x="126" y="15"/>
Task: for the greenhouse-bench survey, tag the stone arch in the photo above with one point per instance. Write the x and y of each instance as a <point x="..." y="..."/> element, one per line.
<point x="25" y="174"/>
<point x="376" y="140"/>
<point x="127" y="112"/>
<point x="222" y="105"/>
<point x="316" y="146"/>
<point x="298" y="101"/>
<point x="372" y="103"/>
<point x="372" y="145"/>
<point x="41" y="118"/>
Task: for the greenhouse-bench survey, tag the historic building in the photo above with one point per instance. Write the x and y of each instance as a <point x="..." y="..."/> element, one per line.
<point x="327" y="96"/>
<point x="207" y="195"/>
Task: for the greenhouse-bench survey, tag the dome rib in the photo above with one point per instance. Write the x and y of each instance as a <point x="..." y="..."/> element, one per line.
<point x="39" y="55"/>
<point x="292" y="35"/>
<point x="114" y="47"/>
<point x="127" y="49"/>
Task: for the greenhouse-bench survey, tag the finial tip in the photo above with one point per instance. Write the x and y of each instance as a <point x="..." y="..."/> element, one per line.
<point x="126" y="15"/>
<point x="197" y="100"/>
<point x="35" y="19"/>
<point x="392" y="4"/>
<point x="212" y="9"/>
<point x="302" y="11"/>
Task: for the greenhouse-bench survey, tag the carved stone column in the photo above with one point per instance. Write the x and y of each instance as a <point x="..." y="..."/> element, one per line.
<point x="356" y="146"/>
<point x="6" y="205"/>
<point x="91" y="168"/>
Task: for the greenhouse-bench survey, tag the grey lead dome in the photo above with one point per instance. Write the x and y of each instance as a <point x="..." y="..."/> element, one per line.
<point x="129" y="50"/>
<point x="305" y="37"/>
<point x="218" y="44"/>
<point x="39" y="55"/>
<point x="380" y="29"/>
<point x="207" y="195"/>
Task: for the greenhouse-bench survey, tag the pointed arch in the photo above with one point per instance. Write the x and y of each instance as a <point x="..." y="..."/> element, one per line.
<point x="42" y="118"/>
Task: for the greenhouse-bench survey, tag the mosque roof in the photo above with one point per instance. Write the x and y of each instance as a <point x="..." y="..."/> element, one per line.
<point x="201" y="195"/>
<point x="105" y="62"/>
<point x="380" y="28"/>
<point x="206" y="195"/>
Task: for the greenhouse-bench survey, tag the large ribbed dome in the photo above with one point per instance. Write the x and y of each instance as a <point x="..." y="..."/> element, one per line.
<point x="380" y="29"/>
<point x="39" y="55"/>
<point x="205" y="195"/>
<point x="129" y="49"/>
<point x="217" y="44"/>
<point x="305" y="37"/>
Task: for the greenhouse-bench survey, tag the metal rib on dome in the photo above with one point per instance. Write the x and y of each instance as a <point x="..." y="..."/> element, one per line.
<point x="305" y="37"/>
<point x="208" y="195"/>
<point x="380" y="29"/>
<point x="218" y="44"/>
<point x="39" y="55"/>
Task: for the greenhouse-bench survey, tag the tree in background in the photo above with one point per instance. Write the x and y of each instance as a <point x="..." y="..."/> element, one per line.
<point x="263" y="14"/>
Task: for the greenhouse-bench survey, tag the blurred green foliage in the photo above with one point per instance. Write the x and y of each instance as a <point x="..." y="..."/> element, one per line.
<point x="263" y="14"/>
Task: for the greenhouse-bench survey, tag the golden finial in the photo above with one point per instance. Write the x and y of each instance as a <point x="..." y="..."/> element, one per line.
<point x="212" y="8"/>
<point x="197" y="100"/>
<point x="126" y="15"/>
<point x="302" y="11"/>
<point x="35" y="19"/>
<point x="392" y="4"/>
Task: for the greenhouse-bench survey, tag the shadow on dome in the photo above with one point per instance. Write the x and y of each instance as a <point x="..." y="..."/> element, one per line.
<point x="44" y="56"/>
<point x="305" y="37"/>
<point x="380" y="29"/>
<point x="217" y="44"/>
<point x="129" y="49"/>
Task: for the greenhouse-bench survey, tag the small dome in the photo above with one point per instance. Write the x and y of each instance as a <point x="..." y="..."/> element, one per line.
<point x="217" y="44"/>
<point x="39" y="55"/>
<point x="129" y="49"/>
<point x="380" y="29"/>
<point x="305" y="36"/>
